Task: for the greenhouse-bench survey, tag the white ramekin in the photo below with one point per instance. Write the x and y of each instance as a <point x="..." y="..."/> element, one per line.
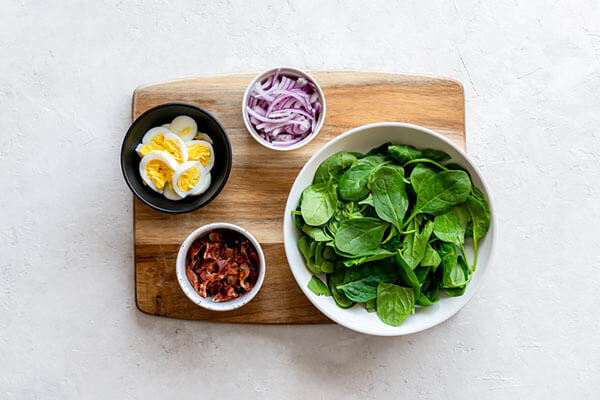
<point x="290" y="71"/>
<point x="207" y="303"/>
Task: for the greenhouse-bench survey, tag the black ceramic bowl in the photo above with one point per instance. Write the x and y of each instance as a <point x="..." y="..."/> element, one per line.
<point x="163" y="114"/>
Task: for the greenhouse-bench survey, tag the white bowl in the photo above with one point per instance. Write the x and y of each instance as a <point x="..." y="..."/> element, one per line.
<point x="207" y="303"/>
<point x="362" y="139"/>
<point x="290" y="72"/>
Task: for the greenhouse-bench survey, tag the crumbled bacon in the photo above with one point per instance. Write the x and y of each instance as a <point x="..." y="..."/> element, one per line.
<point x="193" y="278"/>
<point x="222" y="264"/>
<point x="213" y="251"/>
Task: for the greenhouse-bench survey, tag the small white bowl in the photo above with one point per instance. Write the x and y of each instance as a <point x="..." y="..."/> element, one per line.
<point x="362" y="139"/>
<point x="207" y="303"/>
<point x="290" y="72"/>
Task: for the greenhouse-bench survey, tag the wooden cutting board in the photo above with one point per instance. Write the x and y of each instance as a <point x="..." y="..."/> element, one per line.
<point x="260" y="180"/>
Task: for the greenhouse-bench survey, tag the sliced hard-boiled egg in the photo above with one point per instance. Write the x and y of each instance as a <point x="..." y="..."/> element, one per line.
<point x="185" y="127"/>
<point x="202" y="151"/>
<point x="157" y="169"/>
<point x="170" y="194"/>
<point x="163" y="139"/>
<point x="190" y="179"/>
<point x="204" y="136"/>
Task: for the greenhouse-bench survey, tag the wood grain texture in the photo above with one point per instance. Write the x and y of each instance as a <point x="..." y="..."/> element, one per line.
<point x="260" y="180"/>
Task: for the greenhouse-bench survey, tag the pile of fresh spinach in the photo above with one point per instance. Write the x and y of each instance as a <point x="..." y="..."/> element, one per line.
<point x="388" y="229"/>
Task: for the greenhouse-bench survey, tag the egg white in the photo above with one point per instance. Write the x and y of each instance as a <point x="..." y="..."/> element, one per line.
<point x="204" y="136"/>
<point x="159" y="155"/>
<point x="170" y="194"/>
<point x="200" y="187"/>
<point x="185" y="127"/>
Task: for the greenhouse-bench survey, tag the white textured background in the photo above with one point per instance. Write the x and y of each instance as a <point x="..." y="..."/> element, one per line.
<point x="69" y="327"/>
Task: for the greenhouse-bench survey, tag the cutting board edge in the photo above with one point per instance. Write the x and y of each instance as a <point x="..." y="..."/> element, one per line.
<point x="406" y="76"/>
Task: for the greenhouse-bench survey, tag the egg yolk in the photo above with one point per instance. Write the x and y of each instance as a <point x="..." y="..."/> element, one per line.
<point x="159" y="173"/>
<point x="188" y="179"/>
<point x="145" y="149"/>
<point x="159" y="142"/>
<point x="199" y="152"/>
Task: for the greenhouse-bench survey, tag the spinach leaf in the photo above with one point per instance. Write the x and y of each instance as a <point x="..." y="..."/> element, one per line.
<point x="333" y="166"/>
<point x="460" y="276"/>
<point x="307" y="248"/>
<point x="327" y="266"/>
<point x="313" y="267"/>
<point x="338" y="296"/>
<point x="463" y="217"/>
<point x="428" y="297"/>
<point x="356" y="256"/>
<point x="353" y="182"/>
<point x="360" y="235"/>
<point x="455" y="292"/>
<point x="430" y="287"/>
<point x="318" y="287"/>
<point x="421" y="273"/>
<point x="449" y="256"/>
<point x="371" y="305"/>
<point x="447" y="229"/>
<point x="419" y="174"/>
<point x="442" y="191"/>
<point x="436" y="155"/>
<point x="406" y="276"/>
<point x="297" y="215"/>
<point x="389" y="195"/>
<point x="360" y="283"/>
<point x="379" y="254"/>
<point x="431" y="257"/>
<point x="394" y="303"/>
<point x="454" y="269"/>
<point x="403" y="154"/>
<point x="329" y="254"/>
<point x="479" y="210"/>
<point x="304" y="247"/>
<point x="319" y="202"/>
<point x="319" y="254"/>
<point x="316" y="233"/>
<point x="416" y="243"/>
<point x="338" y="217"/>
<point x="313" y="246"/>
<point x="382" y="149"/>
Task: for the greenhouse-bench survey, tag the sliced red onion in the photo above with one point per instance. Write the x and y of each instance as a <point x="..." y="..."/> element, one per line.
<point x="284" y="109"/>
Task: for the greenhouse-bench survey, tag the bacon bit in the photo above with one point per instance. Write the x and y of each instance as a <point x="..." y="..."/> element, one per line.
<point x="213" y="251"/>
<point x="244" y="271"/>
<point x="253" y="255"/>
<point x="202" y="289"/>
<point x="227" y="267"/>
<point x="210" y="266"/>
<point x="215" y="237"/>
<point x="222" y="264"/>
<point x="232" y="279"/>
<point x="226" y="293"/>
<point x="192" y="277"/>
<point x="205" y="276"/>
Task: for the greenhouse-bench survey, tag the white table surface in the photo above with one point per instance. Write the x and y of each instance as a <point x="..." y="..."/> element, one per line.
<point x="69" y="328"/>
